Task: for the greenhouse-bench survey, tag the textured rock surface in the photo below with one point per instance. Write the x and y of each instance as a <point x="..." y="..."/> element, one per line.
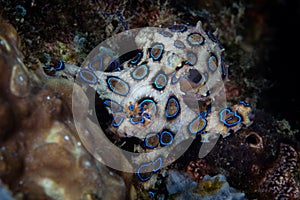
<point x="41" y="156"/>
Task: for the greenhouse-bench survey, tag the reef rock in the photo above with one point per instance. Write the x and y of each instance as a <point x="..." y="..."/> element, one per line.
<point x="181" y="186"/>
<point x="41" y="155"/>
<point x="279" y="181"/>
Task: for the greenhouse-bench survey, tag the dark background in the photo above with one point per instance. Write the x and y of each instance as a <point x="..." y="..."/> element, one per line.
<point x="282" y="98"/>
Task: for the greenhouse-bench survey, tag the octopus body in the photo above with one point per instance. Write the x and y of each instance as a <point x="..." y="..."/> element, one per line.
<point x="164" y="86"/>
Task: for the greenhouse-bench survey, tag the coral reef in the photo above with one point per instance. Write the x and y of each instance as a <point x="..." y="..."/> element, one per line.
<point x="279" y="181"/>
<point x="198" y="169"/>
<point x="41" y="155"/>
<point x="181" y="186"/>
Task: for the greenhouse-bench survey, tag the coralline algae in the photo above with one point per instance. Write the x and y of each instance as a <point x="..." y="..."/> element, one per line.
<point x="181" y="186"/>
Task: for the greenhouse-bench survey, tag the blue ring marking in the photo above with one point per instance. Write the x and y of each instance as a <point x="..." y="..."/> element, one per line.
<point x="159" y="159"/>
<point x="152" y="194"/>
<point x="146" y="101"/>
<point x="143" y="179"/>
<point x="146" y="140"/>
<point x="118" y="120"/>
<point x="136" y="122"/>
<point x="137" y="58"/>
<point x="60" y="66"/>
<point x="161" y="50"/>
<point x="147" y="115"/>
<point x="225" y="121"/>
<point x="133" y="122"/>
<point x="114" y="106"/>
<point x="200" y="117"/>
<point x="180" y="28"/>
<point x="120" y="82"/>
<point x="245" y="103"/>
<point x="195" y="42"/>
<point x="90" y="65"/>
<point x="209" y="64"/>
<point x="211" y="36"/>
<point x="83" y="71"/>
<point x="179" y="44"/>
<point x="156" y="85"/>
<point x="167" y="108"/>
<point x="191" y="59"/>
<point x="133" y="73"/>
<point x="151" y="173"/>
<point x="115" y="66"/>
<point x="224" y="68"/>
<point x="203" y="114"/>
<point x="161" y="138"/>
<point x="166" y="34"/>
<point x="131" y="107"/>
<point x="174" y="80"/>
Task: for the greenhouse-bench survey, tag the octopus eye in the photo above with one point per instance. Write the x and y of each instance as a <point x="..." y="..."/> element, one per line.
<point x="156" y="51"/>
<point x="194" y="76"/>
<point x="117" y="85"/>
<point x="195" y="39"/>
<point x="172" y="108"/>
<point x="160" y="81"/>
<point x="212" y="63"/>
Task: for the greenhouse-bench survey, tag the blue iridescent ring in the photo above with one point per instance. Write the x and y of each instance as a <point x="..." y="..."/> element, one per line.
<point x="179" y="44"/>
<point x="152" y="136"/>
<point x="88" y="76"/>
<point x="178" y="28"/>
<point x="230" y="118"/>
<point x="147" y="102"/>
<point x="156" y="51"/>
<point x="172" y="108"/>
<point x="137" y="58"/>
<point x="191" y="59"/>
<point x="224" y="68"/>
<point x="146" y="165"/>
<point x="140" y="72"/>
<point x="163" y="136"/>
<point x="197" y="125"/>
<point x="195" y="39"/>
<point x="98" y="65"/>
<point x="212" y="63"/>
<point x="160" y="81"/>
<point x="114" y="106"/>
<point x="60" y="66"/>
<point x="117" y="85"/>
<point x="166" y="34"/>
<point x="118" y="120"/>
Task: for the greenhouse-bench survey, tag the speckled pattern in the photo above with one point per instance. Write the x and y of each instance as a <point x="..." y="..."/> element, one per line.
<point x="166" y="90"/>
